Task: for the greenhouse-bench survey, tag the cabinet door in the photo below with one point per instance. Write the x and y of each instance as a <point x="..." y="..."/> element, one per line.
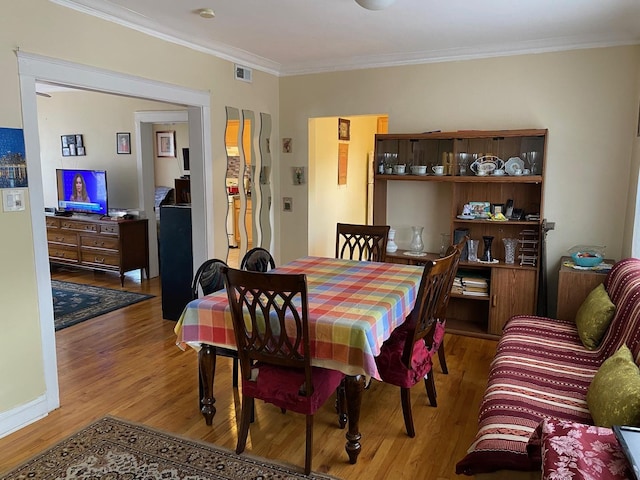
<point x="513" y="292"/>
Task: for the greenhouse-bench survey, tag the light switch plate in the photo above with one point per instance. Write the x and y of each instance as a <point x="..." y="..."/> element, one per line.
<point x="13" y="200"/>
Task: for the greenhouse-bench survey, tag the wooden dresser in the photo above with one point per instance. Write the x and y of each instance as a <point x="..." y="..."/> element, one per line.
<point x="97" y="244"/>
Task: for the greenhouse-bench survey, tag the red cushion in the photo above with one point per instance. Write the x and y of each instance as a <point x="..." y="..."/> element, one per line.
<point x="390" y="365"/>
<point x="438" y="335"/>
<point x="578" y="451"/>
<point x="280" y="386"/>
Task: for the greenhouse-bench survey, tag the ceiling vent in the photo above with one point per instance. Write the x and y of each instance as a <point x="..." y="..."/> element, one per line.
<point x="243" y="73"/>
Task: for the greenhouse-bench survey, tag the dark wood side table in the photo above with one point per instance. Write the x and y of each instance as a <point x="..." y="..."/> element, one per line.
<point x="399" y="257"/>
<point x="574" y="286"/>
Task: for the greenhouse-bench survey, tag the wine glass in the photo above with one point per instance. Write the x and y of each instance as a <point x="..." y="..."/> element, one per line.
<point x="463" y="162"/>
<point x="534" y="162"/>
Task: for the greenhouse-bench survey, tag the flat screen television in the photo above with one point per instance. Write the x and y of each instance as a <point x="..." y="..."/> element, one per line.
<point x="83" y="191"/>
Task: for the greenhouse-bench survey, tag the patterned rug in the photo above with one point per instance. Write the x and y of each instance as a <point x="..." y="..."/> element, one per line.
<point x="113" y="448"/>
<point x="74" y="302"/>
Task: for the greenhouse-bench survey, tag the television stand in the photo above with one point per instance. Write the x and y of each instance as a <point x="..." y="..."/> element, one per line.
<point x="97" y="244"/>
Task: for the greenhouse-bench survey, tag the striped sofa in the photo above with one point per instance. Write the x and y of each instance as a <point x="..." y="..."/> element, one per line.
<point x="541" y="370"/>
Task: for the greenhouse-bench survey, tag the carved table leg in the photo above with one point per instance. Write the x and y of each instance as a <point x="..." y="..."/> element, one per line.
<point x="354" y="386"/>
<point x="207" y="369"/>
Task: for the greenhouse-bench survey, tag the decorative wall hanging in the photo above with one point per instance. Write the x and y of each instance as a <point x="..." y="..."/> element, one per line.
<point x="343" y="157"/>
<point x="298" y="175"/>
<point x="344" y="129"/>
<point x="123" y="143"/>
<point x="287" y="145"/>
<point x="166" y="144"/>
<point x="72" y="145"/>
<point x="13" y="164"/>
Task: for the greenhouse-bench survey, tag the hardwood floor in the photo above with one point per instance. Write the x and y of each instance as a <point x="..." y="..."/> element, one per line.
<point x="126" y="364"/>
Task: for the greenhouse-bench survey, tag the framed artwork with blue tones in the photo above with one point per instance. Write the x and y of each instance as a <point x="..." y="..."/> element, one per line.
<point x="13" y="162"/>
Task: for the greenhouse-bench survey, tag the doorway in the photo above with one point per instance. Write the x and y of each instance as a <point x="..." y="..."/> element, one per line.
<point x="33" y="68"/>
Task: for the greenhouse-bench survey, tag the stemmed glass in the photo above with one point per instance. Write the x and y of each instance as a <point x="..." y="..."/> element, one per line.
<point x="534" y="161"/>
<point x="463" y="162"/>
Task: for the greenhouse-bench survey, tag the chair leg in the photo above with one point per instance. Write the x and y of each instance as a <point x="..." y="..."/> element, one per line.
<point x="245" y="419"/>
<point x="309" y="447"/>
<point x="405" y="395"/>
<point x="235" y="373"/>
<point x="341" y="404"/>
<point x="443" y="361"/>
<point x="430" y="385"/>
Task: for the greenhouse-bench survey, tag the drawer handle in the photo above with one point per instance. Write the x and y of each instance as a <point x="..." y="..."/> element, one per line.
<point x="98" y="244"/>
<point x="98" y="260"/>
<point x="59" y="239"/>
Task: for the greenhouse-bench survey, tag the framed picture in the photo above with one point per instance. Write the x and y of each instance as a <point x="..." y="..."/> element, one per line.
<point x="166" y="144"/>
<point x="344" y="129"/>
<point x="72" y="145"/>
<point x="123" y="143"/>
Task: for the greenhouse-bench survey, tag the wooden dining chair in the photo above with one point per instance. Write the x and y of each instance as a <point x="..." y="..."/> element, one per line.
<point x="271" y="325"/>
<point x="362" y="242"/>
<point x="436" y="339"/>
<point x="258" y="259"/>
<point x="209" y="279"/>
<point x="405" y="357"/>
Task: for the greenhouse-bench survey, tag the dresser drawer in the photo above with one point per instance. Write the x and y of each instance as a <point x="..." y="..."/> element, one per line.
<point x="57" y="252"/>
<point x="61" y="236"/>
<point x="112" y="229"/>
<point x="79" y="226"/>
<point x="52" y="222"/>
<point x="88" y="257"/>
<point x="103" y="241"/>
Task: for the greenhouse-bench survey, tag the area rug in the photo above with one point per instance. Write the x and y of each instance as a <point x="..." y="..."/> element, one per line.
<point x="112" y="448"/>
<point x="74" y="302"/>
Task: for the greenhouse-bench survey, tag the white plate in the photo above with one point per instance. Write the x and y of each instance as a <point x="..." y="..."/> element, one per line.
<point x="513" y="164"/>
<point x="467" y="217"/>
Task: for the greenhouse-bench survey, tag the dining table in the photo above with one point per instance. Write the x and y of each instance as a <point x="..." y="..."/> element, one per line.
<point x="353" y="306"/>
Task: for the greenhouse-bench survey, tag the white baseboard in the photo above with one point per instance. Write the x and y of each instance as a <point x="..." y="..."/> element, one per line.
<point x="23" y="415"/>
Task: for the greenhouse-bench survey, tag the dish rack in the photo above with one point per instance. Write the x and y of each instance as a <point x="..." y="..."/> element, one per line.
<point x="528" y="247"/>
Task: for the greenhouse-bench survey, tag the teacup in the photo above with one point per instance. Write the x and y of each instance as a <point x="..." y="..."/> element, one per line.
<point x="481" y="173"/>
<point x="399" y="169"/>
<point x="419" y="169"/>
<point x="438" y="169"/>
<point x="499" y="172"/>
<point x="526" y="171"/>
<point x="517" y="171"/>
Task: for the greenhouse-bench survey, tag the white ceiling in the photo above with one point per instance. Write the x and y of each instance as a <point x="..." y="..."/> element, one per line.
<point x="287" y="37"/>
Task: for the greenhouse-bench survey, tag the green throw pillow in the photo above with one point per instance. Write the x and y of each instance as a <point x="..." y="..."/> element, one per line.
<point x="614" y="394"/>
<point x="594" y="316"/>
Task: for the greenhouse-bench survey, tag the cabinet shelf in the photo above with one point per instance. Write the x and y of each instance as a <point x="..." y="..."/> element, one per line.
<point x="461" y="179"/>
<point x="475" y="315"/>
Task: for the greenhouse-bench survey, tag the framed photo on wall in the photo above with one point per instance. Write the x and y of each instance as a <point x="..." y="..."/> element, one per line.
<point x="344" y="129"/>
<point x="123" y="143"/>
<point x="166" y="144"/>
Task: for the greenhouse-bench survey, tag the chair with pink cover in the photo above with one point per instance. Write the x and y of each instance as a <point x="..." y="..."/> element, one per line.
<point x="270" y="320"/>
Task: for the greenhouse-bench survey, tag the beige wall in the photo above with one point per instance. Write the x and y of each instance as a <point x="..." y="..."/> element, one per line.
<point x="167" y="169"/>
<point x="64" y="34"/>
<point x="588" y="99"/>
<point x="98" y="117"/>
<point x="330" y="203"/>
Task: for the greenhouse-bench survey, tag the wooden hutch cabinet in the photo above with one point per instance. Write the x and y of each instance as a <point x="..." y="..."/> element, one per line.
<point x="513" y="288"/>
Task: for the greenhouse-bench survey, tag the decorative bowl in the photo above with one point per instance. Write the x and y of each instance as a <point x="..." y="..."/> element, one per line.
<point x="587" y="258"/>
<point x="419" y="169"/>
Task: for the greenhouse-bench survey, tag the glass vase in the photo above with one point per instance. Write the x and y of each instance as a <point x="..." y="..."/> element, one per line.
<point x="391" y="244"/>
<point x="416" y="240"/>
<point x="510" y="250"/>
<point x="473" y="250"/>
<point x="487" y="256"/>
<point x="445" y="241"/>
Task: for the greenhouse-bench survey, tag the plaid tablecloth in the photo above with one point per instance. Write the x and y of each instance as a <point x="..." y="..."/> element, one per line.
<point x="353" y="308"/>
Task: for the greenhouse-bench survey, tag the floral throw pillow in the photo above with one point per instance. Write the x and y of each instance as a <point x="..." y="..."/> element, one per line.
<point x="577" y="451"/>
